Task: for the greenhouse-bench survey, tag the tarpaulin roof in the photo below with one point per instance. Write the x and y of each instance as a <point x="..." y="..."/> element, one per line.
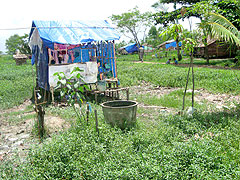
<point x="74" y="32"/>
<point x="173" y="44"/>
<point x="130" y="48"/>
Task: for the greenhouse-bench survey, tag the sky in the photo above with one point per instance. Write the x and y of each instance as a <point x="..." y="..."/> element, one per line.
<point x="20" y="13"/>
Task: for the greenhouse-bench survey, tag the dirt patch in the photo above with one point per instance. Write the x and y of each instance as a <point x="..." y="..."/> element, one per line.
<point x="219" y="101"/>
<point x="145" y="62"/>
<point x="207" y="66"/>
<point x="17" y="137"/>
<point x="17" y="108"/>
<point x="55" y="124"/>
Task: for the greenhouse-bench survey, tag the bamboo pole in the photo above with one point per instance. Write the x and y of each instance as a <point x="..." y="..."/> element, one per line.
<point x="192" y="81"/>
<point x="114" y="54"/>
<point x="186" y="86"/>
<point x="96" y="119"/>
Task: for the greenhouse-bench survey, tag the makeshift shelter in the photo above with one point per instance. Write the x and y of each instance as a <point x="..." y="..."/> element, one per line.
<point x="216" y="49"/>
<point x="163" y="45"/>
<point x="171" y="44"/>
<point x="59" y="46"/>
<point x="131" y="48"/>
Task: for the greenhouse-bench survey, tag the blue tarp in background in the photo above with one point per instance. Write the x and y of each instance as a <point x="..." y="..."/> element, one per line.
<point x="131" y="48"/>
<point x="173" y="44"/>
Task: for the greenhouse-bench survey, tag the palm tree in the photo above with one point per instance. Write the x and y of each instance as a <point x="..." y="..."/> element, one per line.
<point x="223" y="29"/>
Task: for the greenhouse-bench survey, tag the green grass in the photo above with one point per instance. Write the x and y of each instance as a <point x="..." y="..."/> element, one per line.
<point x="213" y="80"/>
<point x="150" y="57"/>
<point x="168" y="149"/>
<point x="16" y="82"/>
<point x="172" y="100"/>
<point x="202" y="146"/>
<point x="18" y="116"/>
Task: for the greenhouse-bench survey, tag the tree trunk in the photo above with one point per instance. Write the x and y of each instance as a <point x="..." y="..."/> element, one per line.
<point x="178" y="50"/>
<point x="206" y="55"/>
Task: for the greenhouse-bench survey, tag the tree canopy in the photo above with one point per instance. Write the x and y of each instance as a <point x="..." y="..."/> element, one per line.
<point x="132" y="22"/>
<point x="17" y="42"/>
<point x="228" y="8"/>
<point x="180" y="1"/>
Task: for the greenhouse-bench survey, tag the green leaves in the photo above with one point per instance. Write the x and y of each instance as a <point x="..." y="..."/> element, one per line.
<point x="132" y="22"/>
<point x="72" y="88"/>
<point x="15" y="42"/>
<point x="223" y="29"/>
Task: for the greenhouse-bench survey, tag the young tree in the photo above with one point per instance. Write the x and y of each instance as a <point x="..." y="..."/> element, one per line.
<point x="17" y="42"/>
<point x="174" y="31"/>
<point x="132" y="22"/>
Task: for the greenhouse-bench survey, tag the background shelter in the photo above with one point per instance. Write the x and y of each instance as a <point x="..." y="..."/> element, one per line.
<point x="131" y="48"/>
<point x="216" y="49"/>
<point x="61" y="43"/>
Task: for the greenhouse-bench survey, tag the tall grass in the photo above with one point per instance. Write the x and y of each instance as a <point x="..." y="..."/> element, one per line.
<point x="16" y="82"/>
<point x="213" y="80"/>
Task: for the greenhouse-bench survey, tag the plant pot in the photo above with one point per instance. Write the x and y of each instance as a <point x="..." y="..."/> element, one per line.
<point x="120" y="113"/>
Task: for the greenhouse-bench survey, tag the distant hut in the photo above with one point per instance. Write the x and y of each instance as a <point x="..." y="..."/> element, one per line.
<point x="163" y="45"/>
<point x="216" y="49"/>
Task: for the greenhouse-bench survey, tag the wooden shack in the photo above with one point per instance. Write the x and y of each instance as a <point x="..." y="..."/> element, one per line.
<point x="216" y="49"/>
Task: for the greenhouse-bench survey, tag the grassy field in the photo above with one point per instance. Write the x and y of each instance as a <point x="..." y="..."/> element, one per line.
<point x="213" y="80"/>
<point x="163" y="57"/>
<point x="16" y="82"/>
<point x="161" y="146"/>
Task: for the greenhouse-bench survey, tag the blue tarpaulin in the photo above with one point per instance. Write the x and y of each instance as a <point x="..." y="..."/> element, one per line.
<point x="130" y="48"/>
<point x="173" y="44"/>
<point x="74" y="32"/>
<point x="44" y="34"/>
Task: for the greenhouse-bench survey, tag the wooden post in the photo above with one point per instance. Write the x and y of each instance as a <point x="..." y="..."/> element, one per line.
<point x="52" y="91"/>
<point x="127" y="91"/>
<point x="96" y="98"/>
<point x="87" y="112"/>
<point x="114" y="54"/>
<point x="96" y="119"/>
<point x="40" y="114"/>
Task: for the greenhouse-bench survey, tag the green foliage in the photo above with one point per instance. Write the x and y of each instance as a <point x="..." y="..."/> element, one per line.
<point x="174" y="31"/>
<point x="171" y="100"/>
<point x="176" y="147"/>
<point x="223" y="29"/>
<point x="227" y="8"/>
<point x="72" y="88"/>
<point x="132" y="22"/>
<point x="189" y="45"/>
<point x="17" y="42"/>
<point x="16" y="82"/>
<point x="213" y="80"/>
<point x="202" y="146"/>
<point x="230" y="9"/>
<point x="180" y="1"/>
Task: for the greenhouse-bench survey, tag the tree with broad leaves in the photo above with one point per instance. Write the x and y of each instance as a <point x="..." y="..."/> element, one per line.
<point x="228" y="8"/>
<point x="174" y="31"/>
<point x="15" y="42"/>
<point x="133" y="22"/>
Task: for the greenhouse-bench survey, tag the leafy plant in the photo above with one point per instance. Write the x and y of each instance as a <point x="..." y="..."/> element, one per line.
<point x="175" y="31"/>
<point x="72" y="89"/>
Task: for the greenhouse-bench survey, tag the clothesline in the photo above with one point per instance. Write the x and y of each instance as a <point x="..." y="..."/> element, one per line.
<point x="94" y="27"/>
